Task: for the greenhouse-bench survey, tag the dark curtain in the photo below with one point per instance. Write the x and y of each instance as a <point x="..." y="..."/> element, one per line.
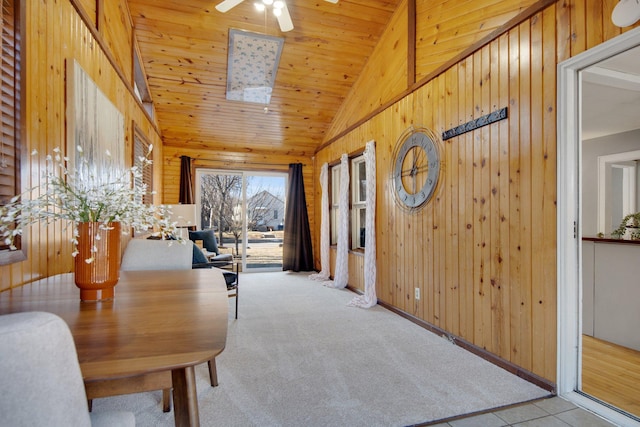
<point x="186" y="185"/>
<point x="297" y="252"/>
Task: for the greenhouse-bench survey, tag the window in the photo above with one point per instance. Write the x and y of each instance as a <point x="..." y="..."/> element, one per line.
<point x="358" y="202"/>
<point x="140" y="86"/>
<point x="275" y="214"/>
<point x="334" y="208"/>
<point x="140" y="149"/>
<point x="10" y="119"/>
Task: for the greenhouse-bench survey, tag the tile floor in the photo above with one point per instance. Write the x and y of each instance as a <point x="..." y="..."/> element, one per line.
<point x="552" y="412"/>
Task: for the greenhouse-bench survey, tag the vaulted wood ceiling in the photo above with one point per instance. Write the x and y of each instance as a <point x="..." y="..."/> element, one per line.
<point x="183" y="46"/>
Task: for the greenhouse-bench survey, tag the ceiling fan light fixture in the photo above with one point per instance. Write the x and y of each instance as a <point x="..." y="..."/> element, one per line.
<point x="260" y="7"/>
<point x="280" y="10"/>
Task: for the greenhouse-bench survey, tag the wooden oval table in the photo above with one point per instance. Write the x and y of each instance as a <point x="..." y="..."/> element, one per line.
<point x="159" y="326"/>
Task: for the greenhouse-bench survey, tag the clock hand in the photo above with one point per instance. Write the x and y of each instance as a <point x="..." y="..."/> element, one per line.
<point x="425" y="167"/>
<point x="407" y="172"/>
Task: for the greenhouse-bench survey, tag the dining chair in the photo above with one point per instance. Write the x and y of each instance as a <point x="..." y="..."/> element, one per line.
<point x="41" y="377"/>
<point x="209" y="244"/>
<point x="222" y="261"/>
<point x="155" y="254"/>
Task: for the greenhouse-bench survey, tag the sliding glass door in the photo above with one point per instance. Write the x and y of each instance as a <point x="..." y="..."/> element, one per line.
<point x="246" y="210"/>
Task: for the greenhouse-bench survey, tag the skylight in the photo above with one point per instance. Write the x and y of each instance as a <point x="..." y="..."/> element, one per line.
<point x="252" y="65"/>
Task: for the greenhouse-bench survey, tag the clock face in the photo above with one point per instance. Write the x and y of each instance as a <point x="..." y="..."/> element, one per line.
<point x="416" y="170"/>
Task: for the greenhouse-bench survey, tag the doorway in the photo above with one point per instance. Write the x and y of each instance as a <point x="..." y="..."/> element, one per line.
<point x="246" y="211"/>
<point x="577" y="221"/>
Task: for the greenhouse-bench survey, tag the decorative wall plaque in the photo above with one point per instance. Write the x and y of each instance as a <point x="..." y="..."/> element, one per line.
<point x="496" y="116"/>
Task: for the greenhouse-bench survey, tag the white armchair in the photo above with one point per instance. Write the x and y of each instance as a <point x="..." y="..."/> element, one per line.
<point x="41" y="380"/>
<point x="151" y="254"/>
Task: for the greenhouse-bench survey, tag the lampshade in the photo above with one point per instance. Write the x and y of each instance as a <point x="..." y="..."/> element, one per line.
<point x="184" y="215"/>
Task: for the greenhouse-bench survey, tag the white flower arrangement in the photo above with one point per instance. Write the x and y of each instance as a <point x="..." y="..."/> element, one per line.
<point x="86" y="194"/>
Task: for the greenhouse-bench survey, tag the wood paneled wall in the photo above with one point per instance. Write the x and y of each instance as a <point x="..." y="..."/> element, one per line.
<point x="383" y="77"/>
<point x="116" y="28"/>
<point x="54" y="35"/>
<point x="483" y="251"/>
<point x="443" y="31"/>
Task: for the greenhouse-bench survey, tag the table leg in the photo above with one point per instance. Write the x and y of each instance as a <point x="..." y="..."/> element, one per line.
<point x="185" y="397"/>
<point x="213" y="372"/>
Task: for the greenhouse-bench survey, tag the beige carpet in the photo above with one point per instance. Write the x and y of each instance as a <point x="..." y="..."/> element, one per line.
<point x="299" y="356"/>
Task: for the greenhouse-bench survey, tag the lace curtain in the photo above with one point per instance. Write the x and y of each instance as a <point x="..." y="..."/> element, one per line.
<point x="369" y="299"/>
<point x="325" y="271"/>
<point x="341" y="275"/>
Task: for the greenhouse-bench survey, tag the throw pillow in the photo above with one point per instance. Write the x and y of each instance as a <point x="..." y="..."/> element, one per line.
<point x="208" y="239"/>
<point x="198" y="256"/>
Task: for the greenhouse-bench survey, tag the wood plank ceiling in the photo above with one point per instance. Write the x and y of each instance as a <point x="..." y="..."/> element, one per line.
<point x="183" y="46"/>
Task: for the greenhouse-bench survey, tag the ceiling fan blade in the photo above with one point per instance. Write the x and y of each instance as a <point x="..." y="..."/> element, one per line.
<point x="332" y="1"/>
<point x="227" y="5"/>
<point x="284" y="19"/>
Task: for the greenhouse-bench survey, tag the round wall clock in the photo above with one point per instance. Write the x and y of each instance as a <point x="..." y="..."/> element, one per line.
<point x="415" y="169"/>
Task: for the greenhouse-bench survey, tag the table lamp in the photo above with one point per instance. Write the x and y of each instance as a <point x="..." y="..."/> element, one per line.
<point x="185" y="216"/>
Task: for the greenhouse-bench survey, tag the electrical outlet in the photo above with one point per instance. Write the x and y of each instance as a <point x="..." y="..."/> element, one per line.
<point x="417" y="293"/>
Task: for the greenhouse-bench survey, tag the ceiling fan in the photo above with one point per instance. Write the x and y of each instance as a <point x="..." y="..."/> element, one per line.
<point x="280" y="10"/>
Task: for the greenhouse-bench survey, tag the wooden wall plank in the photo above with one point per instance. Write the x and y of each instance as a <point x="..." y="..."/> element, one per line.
<point x="525" y="321"/>
<point x="495" y="192"/>
<point x="578" y="26"/>
<point x="436" y="246"/>
<point x="484" y="223"/>
<point x="469" y="218"/>
<point x="537" y="189"/>
<point x="450" y="175"/>
<point x="478" y="294"/>
<point x="609" y="31"/>
<point x="502" y="258"/>
<point x="595" y="23"/>
<point x="549" y="198"/>
<point x="515" y="239"/>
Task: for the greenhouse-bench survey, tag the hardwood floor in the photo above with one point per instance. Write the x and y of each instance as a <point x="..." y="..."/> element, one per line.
<point x="611" y="373"/>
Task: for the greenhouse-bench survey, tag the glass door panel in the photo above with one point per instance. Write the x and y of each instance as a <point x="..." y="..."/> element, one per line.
<point x="219" y="195"/>
<point x="265" y="221"/>
<point x="246" y="211"/>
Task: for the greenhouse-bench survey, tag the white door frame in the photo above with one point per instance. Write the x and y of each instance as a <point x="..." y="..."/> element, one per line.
<point x="569" y="237"/>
